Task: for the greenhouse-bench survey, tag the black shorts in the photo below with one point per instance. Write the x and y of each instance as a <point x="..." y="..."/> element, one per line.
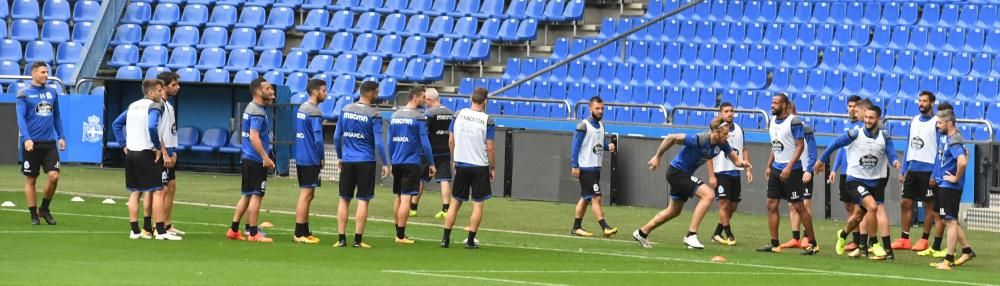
<point x="859" y="191"/>
<point x="254" y="178"/>
<point x="729" y="188"/>
<point x="360" y="175"/>
<point x="790" y="190"/>
<point x="142" y="173"/>
<point x="406" y="179"/>
<point x="917" y="187"/>
<point x="168" y="174"/>
<point x="45" y="155"/>
<point x="443" y="165"/>
<point x="472" y="182"/>
<point x="590" y="184"/>
<point x="682" y="185"/>
<point x="845" y="195"/>
<point x="948" y="203"/>
<point x="308" y="176"/>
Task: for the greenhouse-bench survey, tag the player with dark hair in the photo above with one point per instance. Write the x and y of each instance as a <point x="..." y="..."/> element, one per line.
<point x="869" y="152"/>
<point x="308" y="157"/>
<point x="168" y="134"/>
<point x="587" y="153"/>
<point x="358" y="139"/>
<point x="915" y="176"/>
<point x="808" y="160"/>
<point x="951" y="179"/>
<point x="698" y="149"/>
<point x="839" y="166"/>
<point x="724" y="176"/>
<point x="471" y="142"/>
<point x="935" y="250"/>
<point x="257" y="164"/>
<point x="40" y="126"/>
<point x="408" y="133"/>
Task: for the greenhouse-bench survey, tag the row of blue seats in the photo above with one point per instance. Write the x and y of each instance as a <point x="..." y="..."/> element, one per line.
<point x="848" y="12"/>
<point x="443" y="26"/>
<point x="898" y="37"/>
<point x="192" y="36"/>
<point x="590" y="72"/>
<point x="884" y="85"/>
<point x="39" y="51"/>
<point x="14" y="86"/>
<point x="52" y="31"/>
<point x="83" y="10"/>
<point x="63" y="71"/>
<point x="192" y="139"/>
<point x="169" y="14"/>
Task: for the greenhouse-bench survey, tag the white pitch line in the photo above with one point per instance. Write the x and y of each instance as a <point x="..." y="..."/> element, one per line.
<point x="73" y="232"/>
<point x="611" y="272"/>
<point x="785" y="268"/>
<point x="472" y="278"/>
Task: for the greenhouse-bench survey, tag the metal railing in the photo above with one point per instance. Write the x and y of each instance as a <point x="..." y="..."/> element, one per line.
<point x="662" y="109"/>
<point x="989" y="125"/>
<point x="713" y="109"/>
<point x="594" y="48"/>
<point x="564" y="103"/>
<point x="25" y="77"/>
<point x="100" y="37"/>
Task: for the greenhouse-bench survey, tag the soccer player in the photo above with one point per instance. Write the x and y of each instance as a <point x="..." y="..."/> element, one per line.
<point x="256" y="128"/>
<point x="308" y="156"/>
<point x="698" y="149"/>
<point x="168" y="134"/>
<point x="724" y="176"/>
<point x="808" y="160"/>
<point x="589" y="144"/>
<point x="951" y="180"/>
<point x="40" y="126"/>
<point x="785" y="172"/>
<point x="438" y="121"/>
<point x="408" y="130"/>
<point x="471" y="141"/>
<point x="869" y="151"/>
<point x="935" y="250"/>
<point x="840" y="166"/>
<point x="915" y="176"/>
<point x="138" y="130"/>
<point x="357" y="140"/>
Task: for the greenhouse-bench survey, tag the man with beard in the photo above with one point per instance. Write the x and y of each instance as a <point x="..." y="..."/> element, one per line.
<point x="589" y="144"/>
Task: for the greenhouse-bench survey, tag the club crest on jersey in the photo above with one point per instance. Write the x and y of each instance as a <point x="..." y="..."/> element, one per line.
<point x="93" y="130"/>
<point x="868" y="161"/>
<point x="43" y="108"/>
<point x="598" y="149"/>
<point x="917" y="143"/>
<point x="777" y="146"/>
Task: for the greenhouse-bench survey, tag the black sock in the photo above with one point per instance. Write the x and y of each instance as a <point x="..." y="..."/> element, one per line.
<point x="357" y="238"/>
<point x="729" y="231"/>
<point x="843" y="235"/>
<point x="147" y="223"/>
<point x="447" y="236"/>
<point x="45" y="204"/>
<point x="342" y="238"/>
<point x="472" y="238"/>
<point x="887" y="244"/>
<point x="872" y="240"/>
<point x="967" y="250"/>
<point x="160" y="228"/>
<point x="604" y="224"/>
<point x="796" y="235"/>
<point x="925" y="235"/>
<point x="235" y="227"/>
<point x="299" y="230"/>
<point x="905" y="235"/>
<point x="643" y="234"/>
<point x="937" y="243"/>
<point x="577" y="223"/>
<point x="306" y="230"/>
<point x="865" y="242"/>
<point x="400" y="232"/>
<point x="135" y="226"/>
<point x="774" y="243"/>
<point x="246" y="226"/>
<point x="444" y="207"/>
<point x="690" y="233"/>
<point x="857" y="237"/>
<point x="253" y="230"/>
<point x="950" y="257"/>
<point x="413" y="206"/>
<point x="718" y="229"/>
<point x="33" y="211"/>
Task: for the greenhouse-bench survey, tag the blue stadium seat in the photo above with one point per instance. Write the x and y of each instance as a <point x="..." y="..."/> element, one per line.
<point x="152" y="72"/>
<point x="320" y="63"/>
<point x="259" y="3"/>
<point x="319" y="18"/>
<point x="135" y="13"/>
<point x="129" y="72"/>
<point x="56" y="10"/>
<point x="281" y="18"/>
<point x="242" y="38"/>
<point x="211" y="140"/>
<point x="364" y="44"/>
<point x="155" y="35"/>
<point x="26" y="30"/>
<point x="490" y="9"/>
<point x="166" y="14"/>
<point x="341" y="21"/>
<point x="853" y="82"/>
<point x="240" y="59"/>
<point x="311" y="42"/>
<point x="441" y="50"/>
<point x="245" y="77"/>
<point x="414" y="46"/>
<point x="252" y="17"/>
<point x="392" y="6"/>
<point x="86" y="11"/>
<point x="389" y="46"/>
<point x="296" y="81"/>
<point x="371" y="66"/>
<point x="211" y="58"/>
<point x="65" y="72"/>
<point x="81" y="32"/>
<point x="320" y="4"/>
<point x="393" y="24"/>
<point x="274" y="77"/>
<point x="270" y="39"/>
<point x="194" y="15"/>
<point x="988" y="90"/>
<point x="441" y="26"/>
<point x="55" y="31"/>
<point x="189" y="75"/>
<point x="417" y="25"/>
<point x="217" y="75"/>
<point x="366" y="6"/>
<point x="185" y="36"/>
<point x="187" y="137"/>
<point x="153" y="56"/>
<point x="345" y="64"/>
<point x="182" y="57"/>
<point x="213" y="37"/>
<point x="222" y="16"/>
<point x="433" y="70"/>
<point x="420" y="7"/>
<point x="123" y="55"/>
<point x="343" y="85"/>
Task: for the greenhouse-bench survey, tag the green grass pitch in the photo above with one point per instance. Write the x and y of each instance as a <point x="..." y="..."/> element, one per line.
<point x="524" y="243"/>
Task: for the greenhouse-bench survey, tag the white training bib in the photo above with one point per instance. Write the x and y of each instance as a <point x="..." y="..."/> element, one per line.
<point x="168" y="126"/>
<point x="592" y="149"/>
<point x="137" y="125"/>
<point x="923" y="140"/>
<point x="470" y="137"/>
<point x="866" y="157"/>
<point x="782" y="140"/>
<point x="721" y="162"/>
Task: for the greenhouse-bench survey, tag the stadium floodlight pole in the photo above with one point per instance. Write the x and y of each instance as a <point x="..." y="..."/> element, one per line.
<point x="594" y="48"/>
